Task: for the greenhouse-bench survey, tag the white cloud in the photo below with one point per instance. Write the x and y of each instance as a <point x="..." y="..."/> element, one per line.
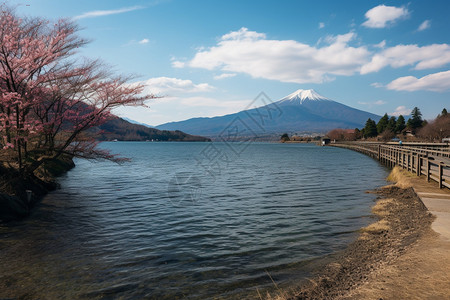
<point x="101" y="13"/>
<point x="250" y="52"/>
<point x="243" y="34"/>
<point x="437" y="82"/>
<point x="167" y="86"/>
<point x="381" y="44"/>
<point x="425" y="25"/>
<point x="382" y="16"/>
<point x="178" y="64"/>
<point x="181" y="99"/>
<point x="231" y="106"/>
<point x="377" y="84"/>
<point x="426" y="57"/>
<point x="321" y="25"/>
<point x="401" y="110"/>
<point x="144" y="41"/>
<point x="178" y="108"/>
<point x="224" y="75"/>
<point x="371" y="104"/>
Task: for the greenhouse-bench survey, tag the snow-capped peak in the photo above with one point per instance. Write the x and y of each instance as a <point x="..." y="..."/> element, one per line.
<point x="299" y="96"/>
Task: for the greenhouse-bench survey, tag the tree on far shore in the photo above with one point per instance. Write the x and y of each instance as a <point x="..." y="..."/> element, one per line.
<point x="285" y="137"/>
<point x="382" y="124"/>
<point x="339" y="134"/>
<point x="400" y="125"/>
<point x="391" y="126"/>
<point x="370" y="130"/>
<point x="416" y="120"/>
<point x="436" y="129"/>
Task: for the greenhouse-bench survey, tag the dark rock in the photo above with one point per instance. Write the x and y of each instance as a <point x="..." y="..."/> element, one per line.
<point x="18" y="195"/>
<point x="12" y="207"/>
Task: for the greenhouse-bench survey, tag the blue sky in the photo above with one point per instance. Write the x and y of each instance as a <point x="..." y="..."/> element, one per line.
<point x="212" y="57"/>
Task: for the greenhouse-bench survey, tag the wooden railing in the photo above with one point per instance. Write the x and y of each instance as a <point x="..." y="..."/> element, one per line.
<point x="432" y="162"/>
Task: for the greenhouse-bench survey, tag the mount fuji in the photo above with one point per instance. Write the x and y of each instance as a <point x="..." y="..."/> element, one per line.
<point x="303" y="111"/>
<point x="300" y="96"/>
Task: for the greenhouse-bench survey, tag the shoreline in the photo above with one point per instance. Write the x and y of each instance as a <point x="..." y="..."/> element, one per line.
<point x="15" y="204"/>
<point x="403" y="223"/>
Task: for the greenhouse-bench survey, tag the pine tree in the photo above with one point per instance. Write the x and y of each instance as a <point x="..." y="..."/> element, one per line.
<point x="392" y="124"/>
<point x="285" y="137"/>
<point x="370" y="130"/>
<point x="382" y="124"/>
<point x="416" y="120"/>
<point x="400" y="124"/>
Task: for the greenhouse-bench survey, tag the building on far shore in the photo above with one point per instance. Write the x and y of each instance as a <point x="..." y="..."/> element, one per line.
<point x="325" y="141"/>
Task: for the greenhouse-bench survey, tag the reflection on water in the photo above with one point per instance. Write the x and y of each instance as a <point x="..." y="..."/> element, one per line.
<point x="165" y="226"/>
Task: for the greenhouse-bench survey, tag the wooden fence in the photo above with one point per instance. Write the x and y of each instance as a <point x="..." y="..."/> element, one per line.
<point x="432" y="162"/>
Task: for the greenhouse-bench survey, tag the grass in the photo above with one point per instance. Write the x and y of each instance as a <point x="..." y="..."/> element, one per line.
<point x="377" y="227"/>
<point x="281" y="294"/>
<point x="381" y="207"/>
<point x="401" y="177"/>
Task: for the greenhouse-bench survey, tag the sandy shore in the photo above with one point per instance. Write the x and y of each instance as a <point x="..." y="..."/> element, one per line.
<point x="398" y="257"/>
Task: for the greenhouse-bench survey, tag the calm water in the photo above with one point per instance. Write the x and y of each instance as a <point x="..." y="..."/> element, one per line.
<point x="188" y="220"/>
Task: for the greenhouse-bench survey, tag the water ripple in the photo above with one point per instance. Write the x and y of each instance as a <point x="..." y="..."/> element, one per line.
<point x="119" y="231"/>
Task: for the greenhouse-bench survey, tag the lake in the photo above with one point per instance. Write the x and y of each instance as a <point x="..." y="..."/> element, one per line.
<point x="189" y="221"/>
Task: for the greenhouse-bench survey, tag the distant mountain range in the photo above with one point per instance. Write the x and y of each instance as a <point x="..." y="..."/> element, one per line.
<point x="122" y="130"/>
<point x="136" y="122"/>
<point x="304" y="111"/>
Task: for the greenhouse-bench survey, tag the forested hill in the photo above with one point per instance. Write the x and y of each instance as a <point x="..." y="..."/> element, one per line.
<point x="122" y="130"/>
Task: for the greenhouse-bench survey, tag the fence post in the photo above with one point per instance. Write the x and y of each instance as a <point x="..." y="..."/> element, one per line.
<point x="379" y="151"/>
<point x="409" y="159"/>
<point x="405" y="161"/>
<point x="390" y="157"/>
<point x="428" y="170"/>
<point x="419" y="165"/>
<point x="441" y="171"/>
<point x="402" y="159"/>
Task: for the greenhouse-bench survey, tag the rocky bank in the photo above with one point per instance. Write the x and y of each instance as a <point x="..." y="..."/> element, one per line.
<point x="19" y="195"/>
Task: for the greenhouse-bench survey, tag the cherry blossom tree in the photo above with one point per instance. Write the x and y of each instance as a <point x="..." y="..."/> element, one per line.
<point x="48" y="98"/>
